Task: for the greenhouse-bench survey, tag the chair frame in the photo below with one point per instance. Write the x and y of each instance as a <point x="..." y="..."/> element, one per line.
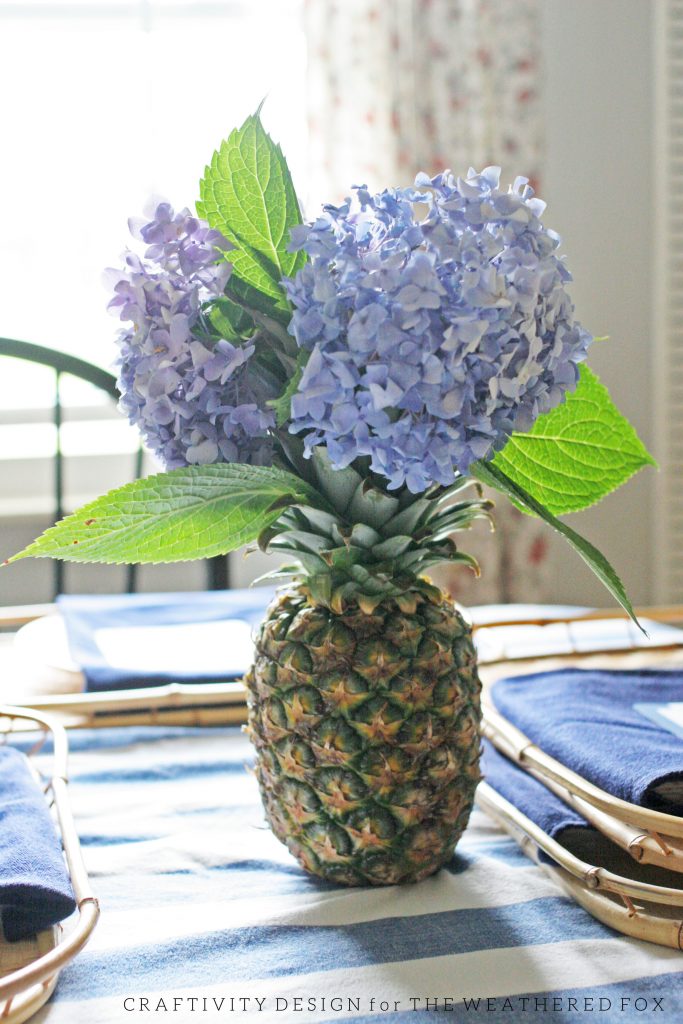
<point x="64" y="364"/>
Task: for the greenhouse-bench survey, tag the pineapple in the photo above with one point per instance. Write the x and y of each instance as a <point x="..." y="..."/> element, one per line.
<point x="364" y="695"/>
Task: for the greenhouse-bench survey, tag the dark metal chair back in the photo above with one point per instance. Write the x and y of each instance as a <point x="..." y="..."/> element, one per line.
<point x="61" y="363"/>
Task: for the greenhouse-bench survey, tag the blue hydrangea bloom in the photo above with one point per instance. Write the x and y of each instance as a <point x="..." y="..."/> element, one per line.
<point x="431" y="339"/>
<point x="195" y="398"/>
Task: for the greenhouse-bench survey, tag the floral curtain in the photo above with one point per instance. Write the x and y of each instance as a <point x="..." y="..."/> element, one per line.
<point x="397" y="86"/>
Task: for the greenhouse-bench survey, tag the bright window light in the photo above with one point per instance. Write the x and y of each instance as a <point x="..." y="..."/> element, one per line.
<point x="106" y="103"/>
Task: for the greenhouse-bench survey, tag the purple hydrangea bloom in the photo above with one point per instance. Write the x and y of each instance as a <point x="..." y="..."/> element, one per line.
<point x="195" y="398"/>
<point x="431" y="340"/>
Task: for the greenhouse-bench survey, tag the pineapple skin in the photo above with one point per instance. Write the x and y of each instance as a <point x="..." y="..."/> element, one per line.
<point x="367" y="733"/>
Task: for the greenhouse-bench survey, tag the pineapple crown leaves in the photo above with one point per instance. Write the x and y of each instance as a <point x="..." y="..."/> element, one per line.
<point x="374" y="545"/>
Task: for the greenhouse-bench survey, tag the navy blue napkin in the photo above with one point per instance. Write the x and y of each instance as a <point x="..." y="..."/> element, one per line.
<point x="35" y="891"/>
<point x="528" y="795"/>
<point x="587" y="719"/>
<point x="87" y="616"/>
<point x="563" y="823"/>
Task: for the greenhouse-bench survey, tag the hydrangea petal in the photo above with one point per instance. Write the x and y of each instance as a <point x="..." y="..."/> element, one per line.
<point x="441" y="335"/>
<point x="195" y="400"/>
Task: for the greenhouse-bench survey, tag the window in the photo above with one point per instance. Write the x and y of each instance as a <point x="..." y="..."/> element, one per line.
<point x="106" y="103"/>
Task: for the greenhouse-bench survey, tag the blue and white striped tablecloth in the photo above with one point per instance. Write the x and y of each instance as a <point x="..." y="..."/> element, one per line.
<point x="204" y="913"/>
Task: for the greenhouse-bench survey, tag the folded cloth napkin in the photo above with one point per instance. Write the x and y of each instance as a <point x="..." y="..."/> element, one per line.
<point x="563" y="823"/>
<point x="589" y="721"/>
<point x="134" y="640"/>
<point x="528" y="795"/>
<point x="35" y="891"/>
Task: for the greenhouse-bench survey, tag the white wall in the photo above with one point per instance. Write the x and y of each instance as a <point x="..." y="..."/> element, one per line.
<point x="599" y="187"/>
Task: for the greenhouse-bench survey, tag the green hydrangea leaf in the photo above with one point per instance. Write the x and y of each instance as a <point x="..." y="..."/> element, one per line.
<point x="262" y="289"/>
<point x="491" y="474"/>
<point x="247" y="194"/>
<point x="577" y="453"/>
<point x="188" y="513"/>
<point x="254" y="301"/>
<point x="229" y="319"/>
<point x="282" y="405"/>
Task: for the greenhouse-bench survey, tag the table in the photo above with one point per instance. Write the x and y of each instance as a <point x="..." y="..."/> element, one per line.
<point x="200" y="900"/>
<point x="200" y="903"/>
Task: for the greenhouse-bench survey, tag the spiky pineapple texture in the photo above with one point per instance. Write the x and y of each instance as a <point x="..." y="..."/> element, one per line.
<point x="366" y="727"/>
<point x="364" y="695"/>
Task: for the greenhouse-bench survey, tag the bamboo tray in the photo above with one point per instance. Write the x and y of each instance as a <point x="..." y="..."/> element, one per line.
<point x="651" y="837"/>
<point x="29" y="970"/>
<point x="638" y="909"/>
<point x="182" y="704"/>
